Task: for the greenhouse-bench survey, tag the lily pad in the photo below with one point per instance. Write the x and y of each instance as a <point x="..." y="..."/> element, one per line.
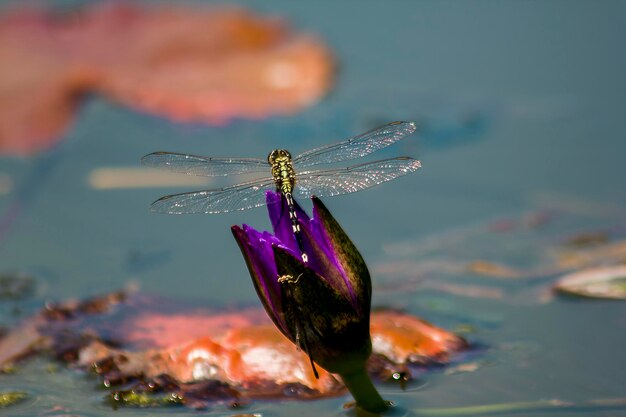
<point x="607" y="282"/>
<point x="153" y="352"/>
<point x="184" y="63"/>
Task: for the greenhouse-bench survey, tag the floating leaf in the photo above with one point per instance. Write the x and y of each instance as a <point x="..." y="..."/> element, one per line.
<point x="204" y="64"/>
<point x="608" y="282"/>
<point x="144" y="349"/>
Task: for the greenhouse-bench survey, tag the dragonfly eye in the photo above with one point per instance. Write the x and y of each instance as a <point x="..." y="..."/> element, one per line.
<point x="278" y="153"/>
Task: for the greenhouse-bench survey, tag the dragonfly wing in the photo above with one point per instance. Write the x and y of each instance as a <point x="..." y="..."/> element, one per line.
<point x="237" y="197"/>
<point x="204" y="166"/>
<point x="357" y="146"/>
<point x="333" y="182"/>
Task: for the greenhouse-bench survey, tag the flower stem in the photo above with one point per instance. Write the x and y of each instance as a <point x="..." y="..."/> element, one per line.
<point x="360" y="386"/>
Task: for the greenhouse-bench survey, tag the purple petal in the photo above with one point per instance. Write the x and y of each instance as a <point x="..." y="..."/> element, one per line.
<point x="281" y="223"/>
<point x="316" y="257"/>
<point x="321" y="235"/>
<point x="322" y="259"/>
<point x="302" y="216"/>
<point x="314" y="242"/>
<point x="257" y="251"/>
<point x="261" y="250"/>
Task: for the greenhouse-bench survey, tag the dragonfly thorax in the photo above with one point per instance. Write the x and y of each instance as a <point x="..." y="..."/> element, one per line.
<point x="282" y="170"/>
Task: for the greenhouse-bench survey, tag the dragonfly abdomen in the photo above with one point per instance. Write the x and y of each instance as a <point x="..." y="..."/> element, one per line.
<point x="293" y="216"/>
<point x="285" y="179"/>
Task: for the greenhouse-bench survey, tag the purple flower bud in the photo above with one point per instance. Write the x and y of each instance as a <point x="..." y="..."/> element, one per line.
<point x="323" y="304"/>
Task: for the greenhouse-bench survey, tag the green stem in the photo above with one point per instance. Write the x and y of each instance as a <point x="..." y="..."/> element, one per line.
<point x="360" y="386"/>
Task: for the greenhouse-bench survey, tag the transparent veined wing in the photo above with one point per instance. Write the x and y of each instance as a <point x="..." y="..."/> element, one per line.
<point x="356" y="147"/>
<point x="204" y="166"/>
<point x="237" y="197"/>
<point x="331" y="182"/>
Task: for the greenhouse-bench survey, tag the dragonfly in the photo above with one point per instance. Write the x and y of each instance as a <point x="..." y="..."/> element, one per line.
<point x="289" y="176"/>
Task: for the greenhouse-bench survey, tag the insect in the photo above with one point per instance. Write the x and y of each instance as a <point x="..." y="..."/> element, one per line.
<point x="290" y="176"/>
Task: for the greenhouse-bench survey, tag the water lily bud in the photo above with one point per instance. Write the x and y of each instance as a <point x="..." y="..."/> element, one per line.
<point x="320" y="301"/>
<point x="323" y="304"/>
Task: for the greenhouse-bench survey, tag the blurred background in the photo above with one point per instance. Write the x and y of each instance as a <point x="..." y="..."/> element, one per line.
<point x="519" y="107"/>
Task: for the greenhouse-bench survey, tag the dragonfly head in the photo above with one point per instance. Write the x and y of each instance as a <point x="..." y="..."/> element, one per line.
<point x="278" y="155"/>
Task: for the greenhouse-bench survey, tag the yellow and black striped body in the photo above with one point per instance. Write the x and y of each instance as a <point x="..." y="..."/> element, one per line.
<point x="285" y="178"/>
<point x="282" y="170"/>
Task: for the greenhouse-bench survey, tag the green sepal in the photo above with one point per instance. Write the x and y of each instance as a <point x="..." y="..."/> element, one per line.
<point x="324" y="320"/>
<point x="348" y="256"/>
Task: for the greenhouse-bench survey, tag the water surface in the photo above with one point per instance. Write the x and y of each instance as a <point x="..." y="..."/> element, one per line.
<point x="522" y="105"/>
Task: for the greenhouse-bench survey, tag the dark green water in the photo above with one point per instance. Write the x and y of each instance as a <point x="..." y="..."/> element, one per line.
<point x="523" y="106"/>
